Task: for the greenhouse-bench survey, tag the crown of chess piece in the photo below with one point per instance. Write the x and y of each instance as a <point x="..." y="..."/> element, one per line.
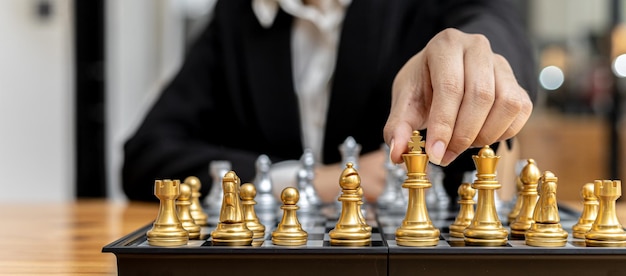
<point x="308" y="165"/>
<point x="349" y="229"/>
<point x="289" y="232"/>
<point x="486" y="228"/>
<point x="359" y="192"/>
<point x="589" y="214"/>
<point x="183" y="204"/>
<point x="529" y="176"/>
<point x="417" y="229"/>
<point x="606" y="230"/>
<point x="518" y="201"/>
<point x="231" y="229"/>
<point x="466" y="212"/>
<point x="265" y="199"/>
<point x="546" y="231"/>
<point x="247" y="193"/>
<point x="197" y="213"/>
<point x="167" y="229"/>
<point x="217" y="169"/>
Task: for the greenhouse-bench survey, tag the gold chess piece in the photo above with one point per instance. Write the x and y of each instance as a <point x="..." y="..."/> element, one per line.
<point x="197" y="213"/>
<point x="231" y="230"/>
<point x="606" y="230"/>
<point x="289" y="231"/>
<point x="589" y="214"/>
<point x="486" y="228"/>
<point x="350" y="229"/>
<point x="184" y="214"/>
<point x="546" y="229"/>
<point x="518" y="201"/>
<point x="167" y="229"/>
<point x="417" y="229"/>
<point x="247" y="193"/>
<point x="363" y="221"/>
<point x="466" y="212"/>
<point x="529" y="176"/>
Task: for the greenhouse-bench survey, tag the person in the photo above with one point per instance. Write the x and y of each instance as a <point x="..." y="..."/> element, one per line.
<point x="276" y="76"/>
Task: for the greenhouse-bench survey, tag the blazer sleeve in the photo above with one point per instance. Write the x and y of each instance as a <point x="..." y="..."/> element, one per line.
<point x="175" y="140"/>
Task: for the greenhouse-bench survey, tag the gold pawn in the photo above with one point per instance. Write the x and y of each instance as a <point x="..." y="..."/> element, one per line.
<point x="289" y="231"/>
<point x="184" y="214"/>
<point x="363" y="221"/>
<point x="466" y="212"/>
<point x="417" y="229"/>
<point x="486" y="228"/>
<point x="231" y="230"/>
<point x="530" y="178"/>
<point x="247" y="194"/>
<point x="546" y="230"/>
<point x="197" y="213"/>
<point x="349" y="229"/>
<point x="518" y="201"/>
<point x="167" y="229"/>
<point x="606" y="230"/>
<point x="589" y="214"/>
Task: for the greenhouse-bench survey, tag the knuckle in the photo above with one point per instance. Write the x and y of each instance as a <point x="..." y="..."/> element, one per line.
<point x="452" y="87"/>
<point x="512" y="104"/>
<point x="483" y="93"/>
<point x="480" y="40"/>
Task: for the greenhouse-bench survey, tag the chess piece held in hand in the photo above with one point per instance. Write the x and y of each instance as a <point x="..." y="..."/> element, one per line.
<point x="417" y="229"/>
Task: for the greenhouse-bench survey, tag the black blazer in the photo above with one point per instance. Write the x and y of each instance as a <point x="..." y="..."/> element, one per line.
<point x="233" y="99"/>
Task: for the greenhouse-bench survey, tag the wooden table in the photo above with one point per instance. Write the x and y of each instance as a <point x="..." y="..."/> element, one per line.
<point x="67" y="238"/>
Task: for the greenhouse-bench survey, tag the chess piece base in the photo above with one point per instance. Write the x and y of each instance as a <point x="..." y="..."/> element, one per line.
<point x="417" y="237"/>
<point x="579" y="230"/>
<point x="289" y="238"/>
<point x="485" y="237"/>
<point x="350" y="236"/>
<point x="166" y="239"/>
<point x="518" y="234"/>
<point x="231" y="234"/>
<point x="612" y="237"/>
<point x="457" y="230"/>
<point x="546" y="235"/>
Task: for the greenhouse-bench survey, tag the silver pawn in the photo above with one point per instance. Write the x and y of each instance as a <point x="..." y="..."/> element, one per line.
<point x="217" y="170"/>
<point x="264" y="198"/>
<point x="350" y="151"/>
<point x="308" y="189"/>
<point x="304" y="203"/>
<point x="391" y="197"/>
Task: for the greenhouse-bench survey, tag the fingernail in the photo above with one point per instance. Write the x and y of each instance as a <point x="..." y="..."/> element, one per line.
<point x="437" y="151"/>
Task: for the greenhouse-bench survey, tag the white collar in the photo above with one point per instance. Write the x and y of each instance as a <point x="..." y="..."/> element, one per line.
<point x="266" y="11"/>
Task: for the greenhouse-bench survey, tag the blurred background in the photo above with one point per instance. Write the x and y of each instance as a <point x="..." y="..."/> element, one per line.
<point x="76" y="77"/>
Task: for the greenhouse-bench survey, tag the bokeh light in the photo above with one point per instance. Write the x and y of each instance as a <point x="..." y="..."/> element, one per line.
<point x="619" y="66"/>
<point x="551" y="77"/>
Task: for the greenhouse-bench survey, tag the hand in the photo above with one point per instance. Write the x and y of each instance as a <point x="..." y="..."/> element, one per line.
<point x="460" y="90"/>
<point x="371" y="170"/>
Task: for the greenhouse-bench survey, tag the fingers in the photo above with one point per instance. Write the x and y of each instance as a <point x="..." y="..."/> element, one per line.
<point x="478" y="96"/>
<point x="409" y="110"/>
<point x="462" y="92"/>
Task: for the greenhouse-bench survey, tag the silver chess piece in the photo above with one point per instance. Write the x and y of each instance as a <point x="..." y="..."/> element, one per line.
<point x="391" y="197"/>
<point x="308" y="189"/>
<point x="350" y="151"/>
<point x="264" y="197"/>
<point x="217" y="170"/>
<point x="436" y="197"/>
<point x="306" y="206"/>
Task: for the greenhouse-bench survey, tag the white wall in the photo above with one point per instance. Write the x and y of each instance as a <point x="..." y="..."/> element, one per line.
<point x="36" y="102"/>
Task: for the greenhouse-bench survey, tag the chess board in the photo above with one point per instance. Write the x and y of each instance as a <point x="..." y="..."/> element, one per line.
<point x="382" y="257"/>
